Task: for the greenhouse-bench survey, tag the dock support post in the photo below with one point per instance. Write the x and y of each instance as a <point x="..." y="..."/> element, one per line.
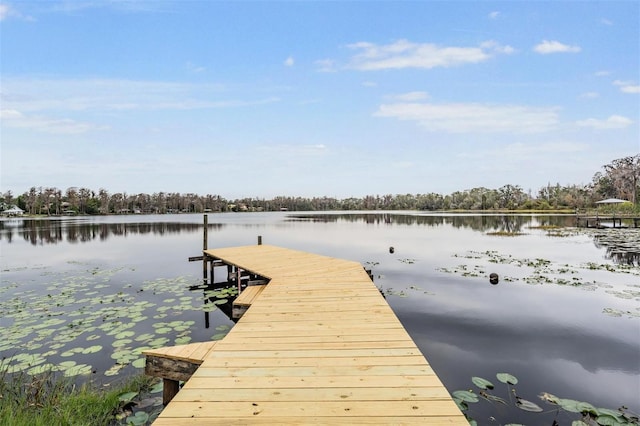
<point x="204" y="247"/>
<point x="259" y="240"/>
<point x="170" y="389"/>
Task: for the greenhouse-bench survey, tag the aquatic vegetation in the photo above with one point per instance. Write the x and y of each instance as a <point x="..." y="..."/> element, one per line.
<point x="505" y="234"/>
<point x="578" y="412"/>
<point x="88" y="314"/>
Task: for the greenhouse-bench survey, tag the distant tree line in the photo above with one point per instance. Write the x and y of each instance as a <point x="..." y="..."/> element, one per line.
<point x="619" y="179"/>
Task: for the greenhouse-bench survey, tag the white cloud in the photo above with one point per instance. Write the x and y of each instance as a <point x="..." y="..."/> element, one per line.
<point x="590" y="95"/>
<point x="627" y="86"/>
<point x="494" y="15"/>
<point x="16" y="119"/>
<point x="553" y="46"/>
<point x="7" y="11"/>
<point x="34" y="95"/>
<point x="602" y="73"/>
<point x="613" y="122"/>
<point x="289" y="61"/>
<point x="412" y="96"/>
<point x="326" y="65"/>
<point x="405" y="54"/>
<point x="473" y="118"/>
<point x="369" y="84"/>
<point x="605" y="21"/>
<point x="4" y="11"/>
<point x="193" y="68"/>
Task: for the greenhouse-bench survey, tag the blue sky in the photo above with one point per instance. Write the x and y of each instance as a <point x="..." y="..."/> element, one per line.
<point x="259" y="99"/>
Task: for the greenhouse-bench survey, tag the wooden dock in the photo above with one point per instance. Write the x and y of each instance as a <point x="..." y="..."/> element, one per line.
<point x="318" y="345"/>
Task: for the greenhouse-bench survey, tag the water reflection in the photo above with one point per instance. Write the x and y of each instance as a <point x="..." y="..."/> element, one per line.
<point x="40" y="232"/>
<point x="483" y="223"/>
<point x="622" y="245"/>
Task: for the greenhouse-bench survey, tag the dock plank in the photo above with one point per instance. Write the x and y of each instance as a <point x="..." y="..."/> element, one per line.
<point x="319" y="345"/>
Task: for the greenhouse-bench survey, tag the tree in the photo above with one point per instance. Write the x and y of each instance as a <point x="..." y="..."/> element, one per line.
<point x="624" y="174"/>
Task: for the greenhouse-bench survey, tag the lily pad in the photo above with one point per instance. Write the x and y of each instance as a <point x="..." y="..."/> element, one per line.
<point x="138" y="419"/>
<point x="482" y="383"/>
<point x="507" y="378"/>
<point x="465" y="395"/>
<point x="526" y="405"/>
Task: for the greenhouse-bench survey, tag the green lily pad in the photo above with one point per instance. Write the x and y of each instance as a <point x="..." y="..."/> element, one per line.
<point x="128" y="396"/>
<point x="466" y="396"/>
<point x="482" y="383"/>
<point x="507" y="378"/>
<point x="138" y="419"/>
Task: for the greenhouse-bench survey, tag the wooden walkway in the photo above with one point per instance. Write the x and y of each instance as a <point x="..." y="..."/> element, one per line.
<point x="319" y="345"/>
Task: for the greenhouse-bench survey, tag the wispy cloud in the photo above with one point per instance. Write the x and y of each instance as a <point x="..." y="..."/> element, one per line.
<point x="494" y="15"/>
<point x="552" y="46"/>
<point x="33" y="95"/>
<point x="195" y="69"/>
<point x="127" y="6"/>
<point x="590" y="95"/>
<point x="16" y="119"/>
<point x="405" y="54"/>
<point x="326" y="65"/>
<point x="7" y="11"/>
<point x="289" y="62"/>
<point x="613" y="122"/>
<point x="411" y="96"/>
<point x="627" y="86"/>
<point x="472" y="117"/>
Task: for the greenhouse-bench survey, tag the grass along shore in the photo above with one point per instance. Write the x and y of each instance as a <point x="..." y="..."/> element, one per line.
<point x="48" y="399"/>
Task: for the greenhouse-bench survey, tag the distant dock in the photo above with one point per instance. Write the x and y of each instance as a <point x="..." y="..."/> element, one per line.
<point x="607" y="221"/>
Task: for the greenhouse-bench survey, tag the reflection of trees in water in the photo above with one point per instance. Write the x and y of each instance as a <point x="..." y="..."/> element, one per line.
<point x="39" y="232"/>
<point x="483" y="223"/>
<point x="622" y="245"/>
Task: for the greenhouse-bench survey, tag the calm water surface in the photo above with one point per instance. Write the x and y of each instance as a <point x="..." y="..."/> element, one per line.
<point x="92" y="292"/>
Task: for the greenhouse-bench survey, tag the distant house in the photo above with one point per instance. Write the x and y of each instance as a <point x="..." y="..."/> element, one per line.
<point x="13" y="211"/>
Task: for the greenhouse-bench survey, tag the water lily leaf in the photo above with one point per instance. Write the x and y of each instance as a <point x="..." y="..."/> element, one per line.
<point x="466" y="396"/>
<point x="462" y="406"/>
<point x="40" y="369"/>
<point x="507" y="378"/>
<point x="138" y="419"/>
<point x="182" y="340"/>
<point x="78" y="370"/>
<point x="578" y="423"/>
<point x="607" y="420"/>
<point x="92" y="349"/>
<point x="65" y="365"/>
<point x="157" y="388"/>
<point x="526" y="405"/>
<point x="220" y="301"/>
<point x="482" y="383"/>
<point x="585" y="407"/>
<point x="139" y="363"/>
<point x="143" y="337"/>
<point x="609" y="412"/>
<point x="128" y="396"/>
<point x="570" y="405"/>
<point x="124" y="334"/>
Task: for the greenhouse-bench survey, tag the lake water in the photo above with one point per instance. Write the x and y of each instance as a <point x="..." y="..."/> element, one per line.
<point x="86" y="294"/>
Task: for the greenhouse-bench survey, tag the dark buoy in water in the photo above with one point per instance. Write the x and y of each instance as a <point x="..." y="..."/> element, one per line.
<point x="391" y="250"/>
<point x="493" y="278"/>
